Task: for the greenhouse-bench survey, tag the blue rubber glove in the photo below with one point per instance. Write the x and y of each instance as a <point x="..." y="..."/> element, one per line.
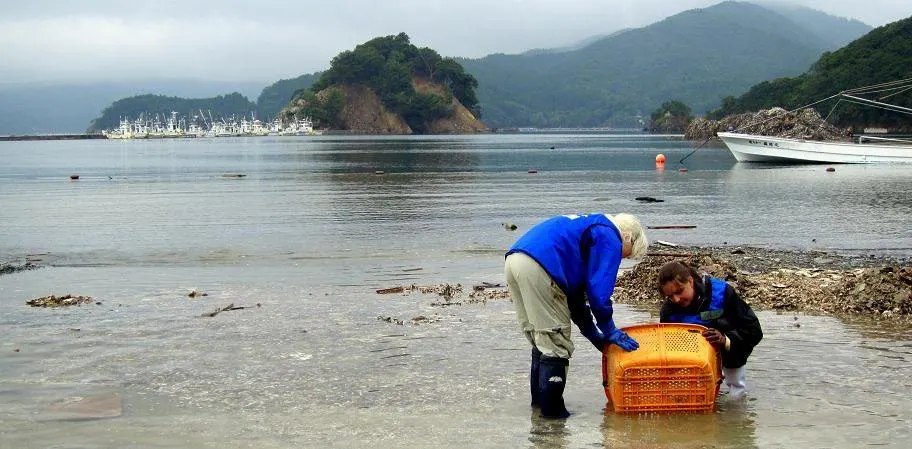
<point x="619" y="337"/>
<point x="623" y="340"/>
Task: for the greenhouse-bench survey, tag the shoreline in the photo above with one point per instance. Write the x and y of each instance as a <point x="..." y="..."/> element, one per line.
<point x="815" y="282"/>
<point x="805" y="281"/>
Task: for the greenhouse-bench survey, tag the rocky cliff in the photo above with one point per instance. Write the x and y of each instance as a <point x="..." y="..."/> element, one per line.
<point x="460" y="120"/>
<point x="363" y="113"/>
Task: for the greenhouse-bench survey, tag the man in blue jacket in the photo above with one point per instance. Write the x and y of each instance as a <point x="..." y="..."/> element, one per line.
<point x="564" y="269"/>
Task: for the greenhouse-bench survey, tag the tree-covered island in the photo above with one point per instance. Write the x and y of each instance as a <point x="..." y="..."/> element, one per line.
<point x="389" y="86"/>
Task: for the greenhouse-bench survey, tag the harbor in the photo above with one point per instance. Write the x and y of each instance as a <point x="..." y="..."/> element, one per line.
<point x="149" y="126"/>
<point x="176" y="127"/>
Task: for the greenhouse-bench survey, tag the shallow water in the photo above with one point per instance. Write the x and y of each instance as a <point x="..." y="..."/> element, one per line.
<point x="311" y="231"/>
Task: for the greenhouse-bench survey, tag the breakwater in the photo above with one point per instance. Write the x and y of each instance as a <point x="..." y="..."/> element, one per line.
<point x="54" y="137"/>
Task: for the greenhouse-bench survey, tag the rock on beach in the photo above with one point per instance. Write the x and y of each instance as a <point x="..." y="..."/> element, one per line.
<point x="60" y="301"/>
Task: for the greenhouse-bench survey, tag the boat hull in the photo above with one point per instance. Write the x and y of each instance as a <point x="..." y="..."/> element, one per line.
<point x="753" y="148"/>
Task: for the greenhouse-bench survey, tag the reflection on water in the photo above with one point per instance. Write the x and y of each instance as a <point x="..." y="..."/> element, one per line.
<point x="311" y="232"/>
<point x="548" y="433"/>
<point x="731" y="426"/>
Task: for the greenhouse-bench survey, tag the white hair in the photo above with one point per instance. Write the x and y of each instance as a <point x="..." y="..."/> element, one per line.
<point x="632" y="233"/>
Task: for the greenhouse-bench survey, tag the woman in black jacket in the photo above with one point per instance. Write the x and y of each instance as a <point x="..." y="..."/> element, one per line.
<point x="733" y="327"/>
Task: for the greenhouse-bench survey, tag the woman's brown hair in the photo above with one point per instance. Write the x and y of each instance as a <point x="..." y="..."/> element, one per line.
<point x="676" y="271"/>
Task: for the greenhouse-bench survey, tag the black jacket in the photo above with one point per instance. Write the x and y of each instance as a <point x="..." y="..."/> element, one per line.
<point x="738" y="322"/>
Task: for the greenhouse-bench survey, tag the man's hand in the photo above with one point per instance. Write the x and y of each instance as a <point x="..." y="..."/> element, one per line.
<point x="714" y="337"/>
<point x="623" y="340"/>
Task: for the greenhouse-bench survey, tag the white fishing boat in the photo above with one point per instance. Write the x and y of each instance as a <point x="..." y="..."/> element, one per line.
<point x="300" y="127"/>
<point x="124" y="131"/>
<point x="861" y="149"/>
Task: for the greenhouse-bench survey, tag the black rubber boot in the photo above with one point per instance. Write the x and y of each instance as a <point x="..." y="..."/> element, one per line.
<point x="552" y="377"/>
<point x="533" y="377"/>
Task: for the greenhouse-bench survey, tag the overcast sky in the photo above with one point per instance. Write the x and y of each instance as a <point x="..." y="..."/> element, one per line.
<point x="268" y="40"/>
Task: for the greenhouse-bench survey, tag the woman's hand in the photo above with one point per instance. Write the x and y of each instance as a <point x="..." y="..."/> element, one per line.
<point x="714" y="337"/>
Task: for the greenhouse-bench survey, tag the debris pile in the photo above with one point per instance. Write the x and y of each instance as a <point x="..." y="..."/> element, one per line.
<point x="803" y="124"/>
<point x="786" y="281"/>
<point x="448" y="291"/>
<point x="449" y="295"/>
<point x="60" y="301"/>
<point x="415" y="321"/>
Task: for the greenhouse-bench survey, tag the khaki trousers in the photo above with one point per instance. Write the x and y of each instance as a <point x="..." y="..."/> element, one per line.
<point x="541" y="306"/>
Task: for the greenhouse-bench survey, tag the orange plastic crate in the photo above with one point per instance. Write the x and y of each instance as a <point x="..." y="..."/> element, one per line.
<point x="674" y="370"/>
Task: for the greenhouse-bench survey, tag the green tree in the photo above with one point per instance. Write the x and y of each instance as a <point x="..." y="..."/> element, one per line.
<point x="673" y="116"/>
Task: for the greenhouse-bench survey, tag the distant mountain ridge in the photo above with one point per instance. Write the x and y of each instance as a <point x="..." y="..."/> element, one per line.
<point x="835" y="31"/>
<point x="881" y="56"/>
<point x="698" y="57"/>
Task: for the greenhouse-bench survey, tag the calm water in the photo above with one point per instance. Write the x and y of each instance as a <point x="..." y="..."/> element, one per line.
<point x="311" y="231"/>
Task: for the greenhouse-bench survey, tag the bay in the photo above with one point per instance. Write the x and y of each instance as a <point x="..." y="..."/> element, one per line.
<point x="310" y="231"/>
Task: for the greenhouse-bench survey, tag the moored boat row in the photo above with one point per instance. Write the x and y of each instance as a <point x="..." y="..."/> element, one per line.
<point x="198" y="126"/>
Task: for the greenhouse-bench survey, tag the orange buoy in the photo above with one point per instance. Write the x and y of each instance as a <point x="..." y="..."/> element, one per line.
<point x="660" y="158"/>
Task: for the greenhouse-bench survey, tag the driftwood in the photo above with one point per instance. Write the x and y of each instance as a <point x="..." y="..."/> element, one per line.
<point x="803" y="124"/>
<point x="227" y="308"/>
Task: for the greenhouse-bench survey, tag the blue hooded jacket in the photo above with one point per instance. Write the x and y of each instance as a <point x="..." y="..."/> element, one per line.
<point x="582" y="254"/>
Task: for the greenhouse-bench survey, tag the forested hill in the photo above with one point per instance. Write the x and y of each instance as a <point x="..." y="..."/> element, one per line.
<point x="883" y="55"/>
<point x="416" y="87"/>
<point x="272" y="99"/>
<point x="698" y="57"/>
<point x="150" y="106"/>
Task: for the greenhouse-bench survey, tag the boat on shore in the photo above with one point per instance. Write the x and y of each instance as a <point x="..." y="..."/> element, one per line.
<point x="747" y="146"/>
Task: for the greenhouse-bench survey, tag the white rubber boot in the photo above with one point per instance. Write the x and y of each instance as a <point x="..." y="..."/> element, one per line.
<point x="734" y="378"/>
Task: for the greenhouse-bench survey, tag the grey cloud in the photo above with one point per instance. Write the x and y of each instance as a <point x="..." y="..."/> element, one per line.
<point x="270" y="39"/>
